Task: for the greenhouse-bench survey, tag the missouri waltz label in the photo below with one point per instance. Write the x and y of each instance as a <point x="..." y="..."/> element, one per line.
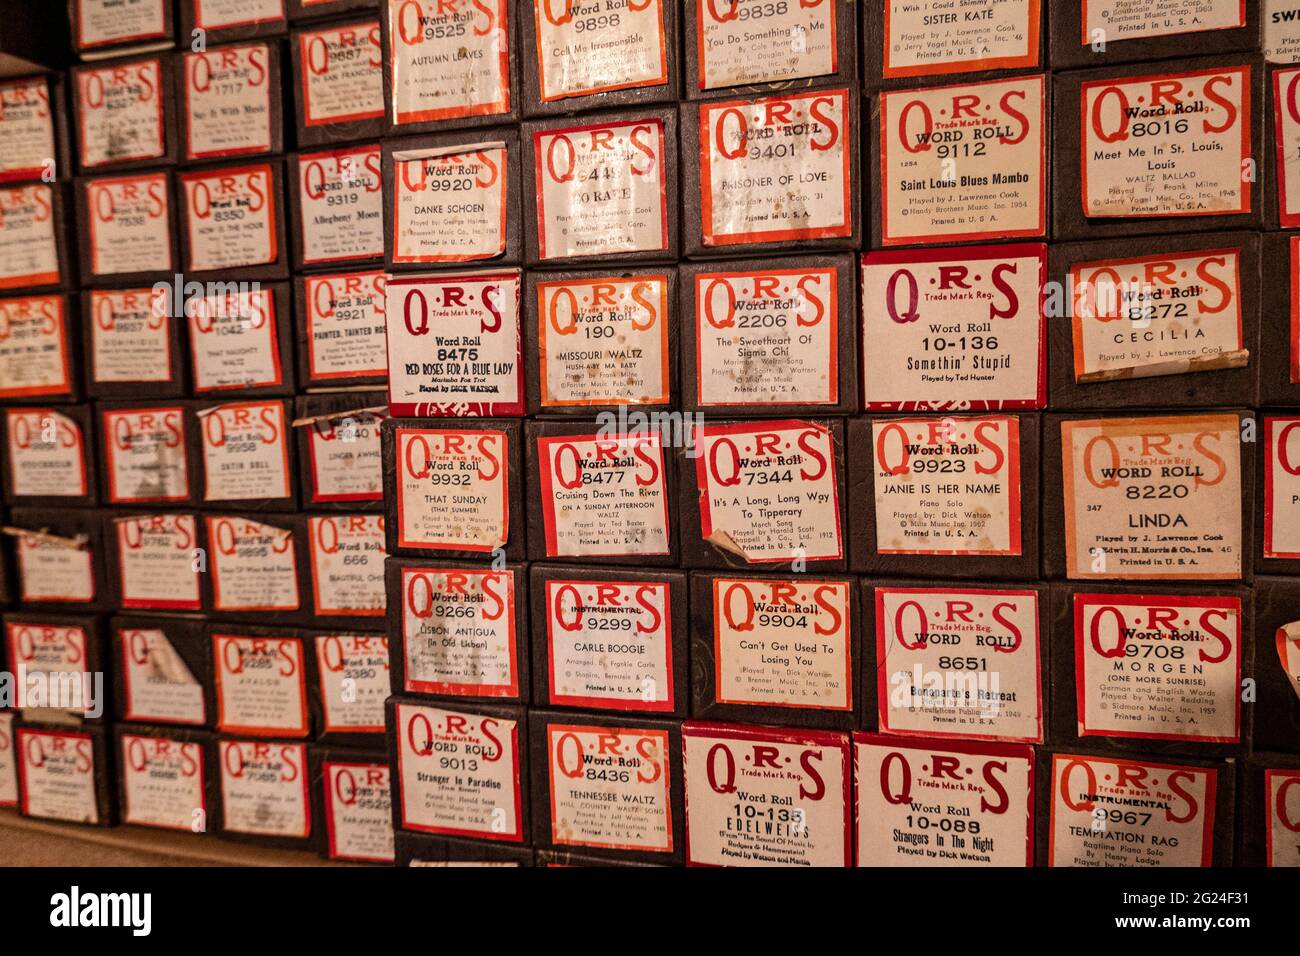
<point x="449" y="205"/>
<point x="1108" y="812"/>
<point x="233" y="340"/>
<point x="1281" y="31"/>
<point x="603" y="341"/>
<point x="954" y="331"/>
<point x="447" y="60"/>
<point x="55" y="572"/>
<point x="56" y="774"/>
<point x="129" y="336"/>
<point x="130" y="224"/>
<point x="766" y="797"/>
<point x="231" y="217"/>
<point x="342" y="74"/>
<point x="120" y="112"/>
<point x="261" y="686"/>
<point x="1281" y="487"/>
<point x="1152" y="497"/>
<point x="27" y="128"/>
<point x="254" y="567"/>
<point x="354" y="682"/>
<point x="1166" y="145"/>
<point x="224" y="14"/>
<point x="346" y="321"/>
<point x="1111" y="20"/>
<point x="52" y="652"/>
<point x="29" y="253"/>
<point x="8" y="762"/>
<point x="1157" y="315"/>
<point x="739" y="42"/>
<point x="264" y="788"/>
<point x="358" y="811"/>
<point x="604" y="495"/>
<point x="162" y="782"/>
<point x="156" y="562"/>
<point x="1282" y="802"/>
<point x="111" y="22"/>
<point x="245" y="451"/>
<point x="959" y="662"/>
<point x="768" y="337"/>
<point x="345" y="459"/>
<point x="145" y="454"/>
<point x="452" y="489"/>
<point x="347" y="564"/>
<point x="943" y="803"/>
<point x="947" y="485"/>
<point x="341" y="200"/>
<point x="964" y="162"/>
<point x="34" y="347"/>
<point x="46" y="453"/>
<point x="610" y="787"/>
<point x="458" y="632"/>
<point x="609" y="644"/>
<point x="158" y="685"/>
<point x="601" y="190"/>
<point x="776" y="169"/>
<point x="458" y="773"/>
<point x="228" y="102"/>
<point x="933" y="36"/>
<point x="596" y="48"/>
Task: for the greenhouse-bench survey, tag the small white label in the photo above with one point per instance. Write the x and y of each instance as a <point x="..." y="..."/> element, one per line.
<point x="130" y="338"/>
<point x="342" y="208"/>
<point x="261" y="685"/>
<point x="347" y="565"/>
<point x="342" y="74"/>
<point x="29" y="251"/>
<point x="234" y="340"/>
<point x="112" y="22"/>
<point x="353" y="682"/>
<point x="162" y="782"/>
<point x="228" y="101"/>
<point x="1281" y="31"/>
<point x="358" y="811"/>
<point x="1116" y="20"/>
<point x="225" y="14"/>
<point x="56" y="771"/>
<point x="156" y="562"/>
<point x="54" y="572"/>
<point x="264" y="788"/>
<point x="158" y="685"/>
<point x="145" y="452"/>
<point x="120" y="111"/>
<point x="346" y="321"/>
<point x="245" y="451"/>
<point x="26" y="128"/>
<point x="447" y="63"/>
<point x="46" y="453"/>
<point x="254" y="567"/>
<point x="458" y="632"/>
<point x="452" y="489"/>
<point x="231" y="217"/>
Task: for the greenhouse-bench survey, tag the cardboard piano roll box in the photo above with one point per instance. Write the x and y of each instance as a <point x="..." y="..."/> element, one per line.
<point x="346" y="558"/>
<point x="65" y="774"/>
<point x="776" y="649"/>
<point x="601" y="339"/>
<point x="1096" y="810"/>
<point x="265" y="793"/>
<point x="220" y="21"/>
<point x="36" y="250"/>
<point x="1277" y="514"/>
<point x="454" y="489"/>
<point x="352" y="803"/>
<point x="257" y="569"/>
<point x="607" y="786"/>
<point x="59" y="559"/>
<point x="58" y="666"/>
<point x="774" y="173"/>
<point x="241" y="340"/>
<point x="231" y="101"/>
<point x="99" y="27"/>
<point x="162" y="670"/>
<point x="232" y="222"/>
<point x="133" y="344"/>
<point x="1101" y="32"/>
<point x="458" y="630"/>
<point x="167" y="777"/>
<point x="1279" y="365"/>
<point x="338" y="448"/>
<point x="156" y="560"/>
<point x="249" y="454"/>
<point x="338" y="80"/>
<point x="353" y="682"/>
<point x="610" y="640"/>
<point x="419" y="849"/>
<point x="34" y="128"/>
<point x="956" y="661"/>
<point x="150" y="454"/>
<point x="300" y="10"/>
<point x="337" y="207"/>
<point x="39" y="355"/>
<point x="340" y="322"/>
<point x="1268" y="833"/>
<point x="49" y="456"/>
<point x="1277" y="663"/>
<point x="265" y="680"/>
<point x="769" y="337"/>
<point x="125" y="112"/>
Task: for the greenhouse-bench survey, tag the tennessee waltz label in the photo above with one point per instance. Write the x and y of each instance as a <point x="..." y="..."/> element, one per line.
<point x="924" y="37"/>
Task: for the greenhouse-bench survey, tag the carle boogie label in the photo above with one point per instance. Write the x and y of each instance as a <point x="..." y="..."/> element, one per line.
<point x="458" y="632"/>
<point x="452" y="489"/>
<point x="946" y="330"/>
<point x="449" y="59"/>
<point x="943" y="803"/>
<point x="1152" y="497"/>
<point x="585" y="48"/>
<point x="740" y="42"/>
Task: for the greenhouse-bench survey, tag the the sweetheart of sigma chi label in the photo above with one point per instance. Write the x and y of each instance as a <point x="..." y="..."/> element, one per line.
<point x="254" y="567"/>
<point x="1152" y="497"/>
<point x="234" y="341"/>
<point x="228" y="101"/>
<point x="609" y="644"/>
<point x="449" y="204"/>
<point x="954" y="330"/>
<point x="603" y="341"/>
<point x="261" y="685"/>
<point x="458" y="632"/>
<point x="55" y="571"/>
<point x="964" y="162"/>
<point x="604" y="494"/>
<point x="56" y="773"/>
<point x="52" y="652"/>
<point x="145" y="454"/>
<point x="1288" y="654"/>
<point x="245" y="451"/>
<point x="27" y="128"/>
<point x="783" y="643"/>
<point x="345" y="325"/>
<point x="29" y="251"/>
<point x="1174" y="144"/>
<point x="1157" y="315"/>
<point x="1281" y="487"/>
<point x="342" y="206"/>
<point x="156" y="561"/>
<point x="158" y="686"/>
<point x="120" y="109"/>
<point x="776" y="168"/>
<point x="8" y="762"/>
<point x="452" y="489"/>
<point x="597" y="48"/>
<point x="1281" y="31"/>
<point x="448" y="63"/>
<point x="1282" y="804"/>
<point x="454" y="346"/>
<point x="739" y="42"/>
<point x="610" y="787"/>
<point x="231" y="217"/>
<point x="46" y="453"/>
<point x="347" y="564"/>
<point x="458" y="773"/>
<point x="113" y="22"/>
<point x="933" y="36"/>
<point x="769" y="491"/>
<point x="345" y="458"/>
<point x="264" y="788"/>
<point x="942" y="803"/>
<point x="1108" y="21"/>
<point x="1111" y="812"/>
<point x="947" y="485"/>
<point x="354" y="683"/>
<point x="767" y="337"/>
<point x="601" y="189"/>
<point x="760" y="796"/>
<point x="959" y="662"/>
<point x="1158" y="667"/>
<point x="342" y="74"/>
<point x="129" y="336"/>
<point x="162" y="783"/>
<point x="358" y="811"/>
<point x="34" y="356"/>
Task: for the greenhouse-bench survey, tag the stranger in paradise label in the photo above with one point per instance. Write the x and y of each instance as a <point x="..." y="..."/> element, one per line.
<point x="954" y="330"/>
<point x="1157" y="315"/>
<point x="1158" y="667"/>
<point x="1125" y="813"/>
<point x="942" y="802"/>
<point x="450" y="204"/>
<point x="584" y="49"/>
<point x="458" y="632"/>
<point x="162" y="782"/>
<point x="742" y="42"/>
<point x="947" y="485"/>
<point x="1152" y="498"/>
<point x="55" y="570"/>
<point x="254" y="566"/>
<point x="959" y="662"/>
<point x="346" y="324"/>
<point x="1175" y="144"/>
<point x="931" y="37"/>
<point x="157" y="562"/>
<point x="34" y="353"/>
<point x="264" y="788"/>
<point x="46" y="454"/>
<point x="761" y="796"/>
<point x="964" y="163"/>
<point x="452" y="489"/>
<point x="1282" y="799"/>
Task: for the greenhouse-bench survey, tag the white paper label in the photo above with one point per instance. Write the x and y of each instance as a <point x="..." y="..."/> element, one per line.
<point x="112" y="22"/>
<point x="1286" y="133"/>
<point x="224" y="14"/>
<point x="56" y="658"/>
<point x="120" y="112"/>
<point x="345" y="459"/>
<point x="345" y="325"/>
<point x="930" y="37"/>
<point x="596" y="49"/>
<point x="162" y="781"/>
<point x="1113" y="20"/>
<point x="245" y="451"/>
<point x="34" y="356"/>
<point x="254" y="567"/>
<point x="358" y="811"/>
<point x="54" y="572"/>
<point x="1281" y="487"/>
<point x="452" y="489"/>
<point x="750" y="41"/>
<point x="29" y="254"/>
<point x="261" y="685"/>
<point x="157" y="562"/>
<point x="353" y="682"/>
<point x="57" y="774"/>
<point x="347" y="564"/>
<point x="468" y="226"/>
<point x="458" y="632"/>
<point x="231" y="217"/>
<point x="228" y="101"/>
<point x="1281" y="31"/>
<point x="145" y="451"/>
<point x="342" y="207"/>
<point x="264" y="788"/>
<point x="46" y="453"/>
<point x="158" y="685"/>
<point x="1282" y="804"/>
<point x="234" y="341"/>
<point x="342" y="74"/>
<point x="26" y="128"/>
<point x="129" y="336"/>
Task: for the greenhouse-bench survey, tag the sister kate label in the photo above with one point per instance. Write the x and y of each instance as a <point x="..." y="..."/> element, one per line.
<point x="599" y="48"/>
<point x="927" y="37"/>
